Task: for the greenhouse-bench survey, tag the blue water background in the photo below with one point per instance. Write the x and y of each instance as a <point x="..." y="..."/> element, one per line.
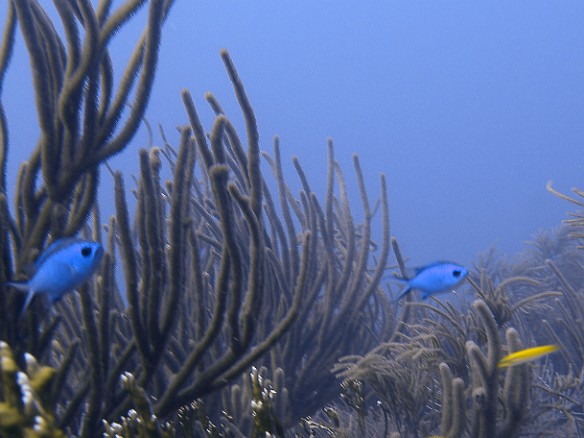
<point x="468" y="107"/>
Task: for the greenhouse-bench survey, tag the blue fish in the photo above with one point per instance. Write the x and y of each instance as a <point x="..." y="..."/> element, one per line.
<point x="434" y="278"/>
<point x="62" y="267"/>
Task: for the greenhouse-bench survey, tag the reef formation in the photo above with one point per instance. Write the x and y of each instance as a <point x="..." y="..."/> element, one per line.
<point x="251" y="310"/>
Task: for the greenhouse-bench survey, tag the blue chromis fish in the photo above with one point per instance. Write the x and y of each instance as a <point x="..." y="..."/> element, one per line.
<point x="526" y="355"/>
<point x="62" y="267"/>
<point x="434" y="278"/>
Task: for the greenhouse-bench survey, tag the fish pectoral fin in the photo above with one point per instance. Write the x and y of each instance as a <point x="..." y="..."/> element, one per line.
<point x="64" y="267"/>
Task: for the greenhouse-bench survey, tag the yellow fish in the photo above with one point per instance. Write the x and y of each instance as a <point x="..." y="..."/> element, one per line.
<point x="526" y="355"/>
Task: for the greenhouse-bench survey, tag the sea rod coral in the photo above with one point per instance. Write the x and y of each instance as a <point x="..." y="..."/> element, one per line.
<point x="219" y="274"/>
<point x="79" y="109"/>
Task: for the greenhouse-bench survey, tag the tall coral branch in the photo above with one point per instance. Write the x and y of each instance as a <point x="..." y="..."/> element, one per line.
<point x="79" y="122"/>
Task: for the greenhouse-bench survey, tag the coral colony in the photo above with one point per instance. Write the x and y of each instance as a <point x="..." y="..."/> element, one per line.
<point x="251" y="310"/>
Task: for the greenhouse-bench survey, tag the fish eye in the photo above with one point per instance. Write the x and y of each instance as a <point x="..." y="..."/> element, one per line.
<point x="456" y="273"/>
<point x="86" y="251"/>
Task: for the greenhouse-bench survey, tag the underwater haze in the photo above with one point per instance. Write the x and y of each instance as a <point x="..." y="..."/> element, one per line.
<point x="469" y="108"/>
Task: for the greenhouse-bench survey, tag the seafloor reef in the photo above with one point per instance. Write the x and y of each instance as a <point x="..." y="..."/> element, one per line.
<point x="251" y="310"/>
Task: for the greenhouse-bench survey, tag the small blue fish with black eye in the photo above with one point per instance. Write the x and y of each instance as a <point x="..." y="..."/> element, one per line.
<point x="62" y="267"/>
<point x="434" y="278"/>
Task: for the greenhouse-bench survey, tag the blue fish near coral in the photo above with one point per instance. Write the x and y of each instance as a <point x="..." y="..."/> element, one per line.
<point x="434" y="278"/>
<point x="62" y="267"/>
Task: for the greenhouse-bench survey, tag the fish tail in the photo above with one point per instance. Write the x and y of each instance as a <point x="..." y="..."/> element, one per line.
<point x="29" y="297"/>
<point x="399" y="279"/>
<point x="24" y="287"/>
<point x="403" y="293"/>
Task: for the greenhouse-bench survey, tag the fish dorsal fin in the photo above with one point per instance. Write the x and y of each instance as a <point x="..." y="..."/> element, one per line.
<point x="54" y="248"/>
<point x="419" y="269"/>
